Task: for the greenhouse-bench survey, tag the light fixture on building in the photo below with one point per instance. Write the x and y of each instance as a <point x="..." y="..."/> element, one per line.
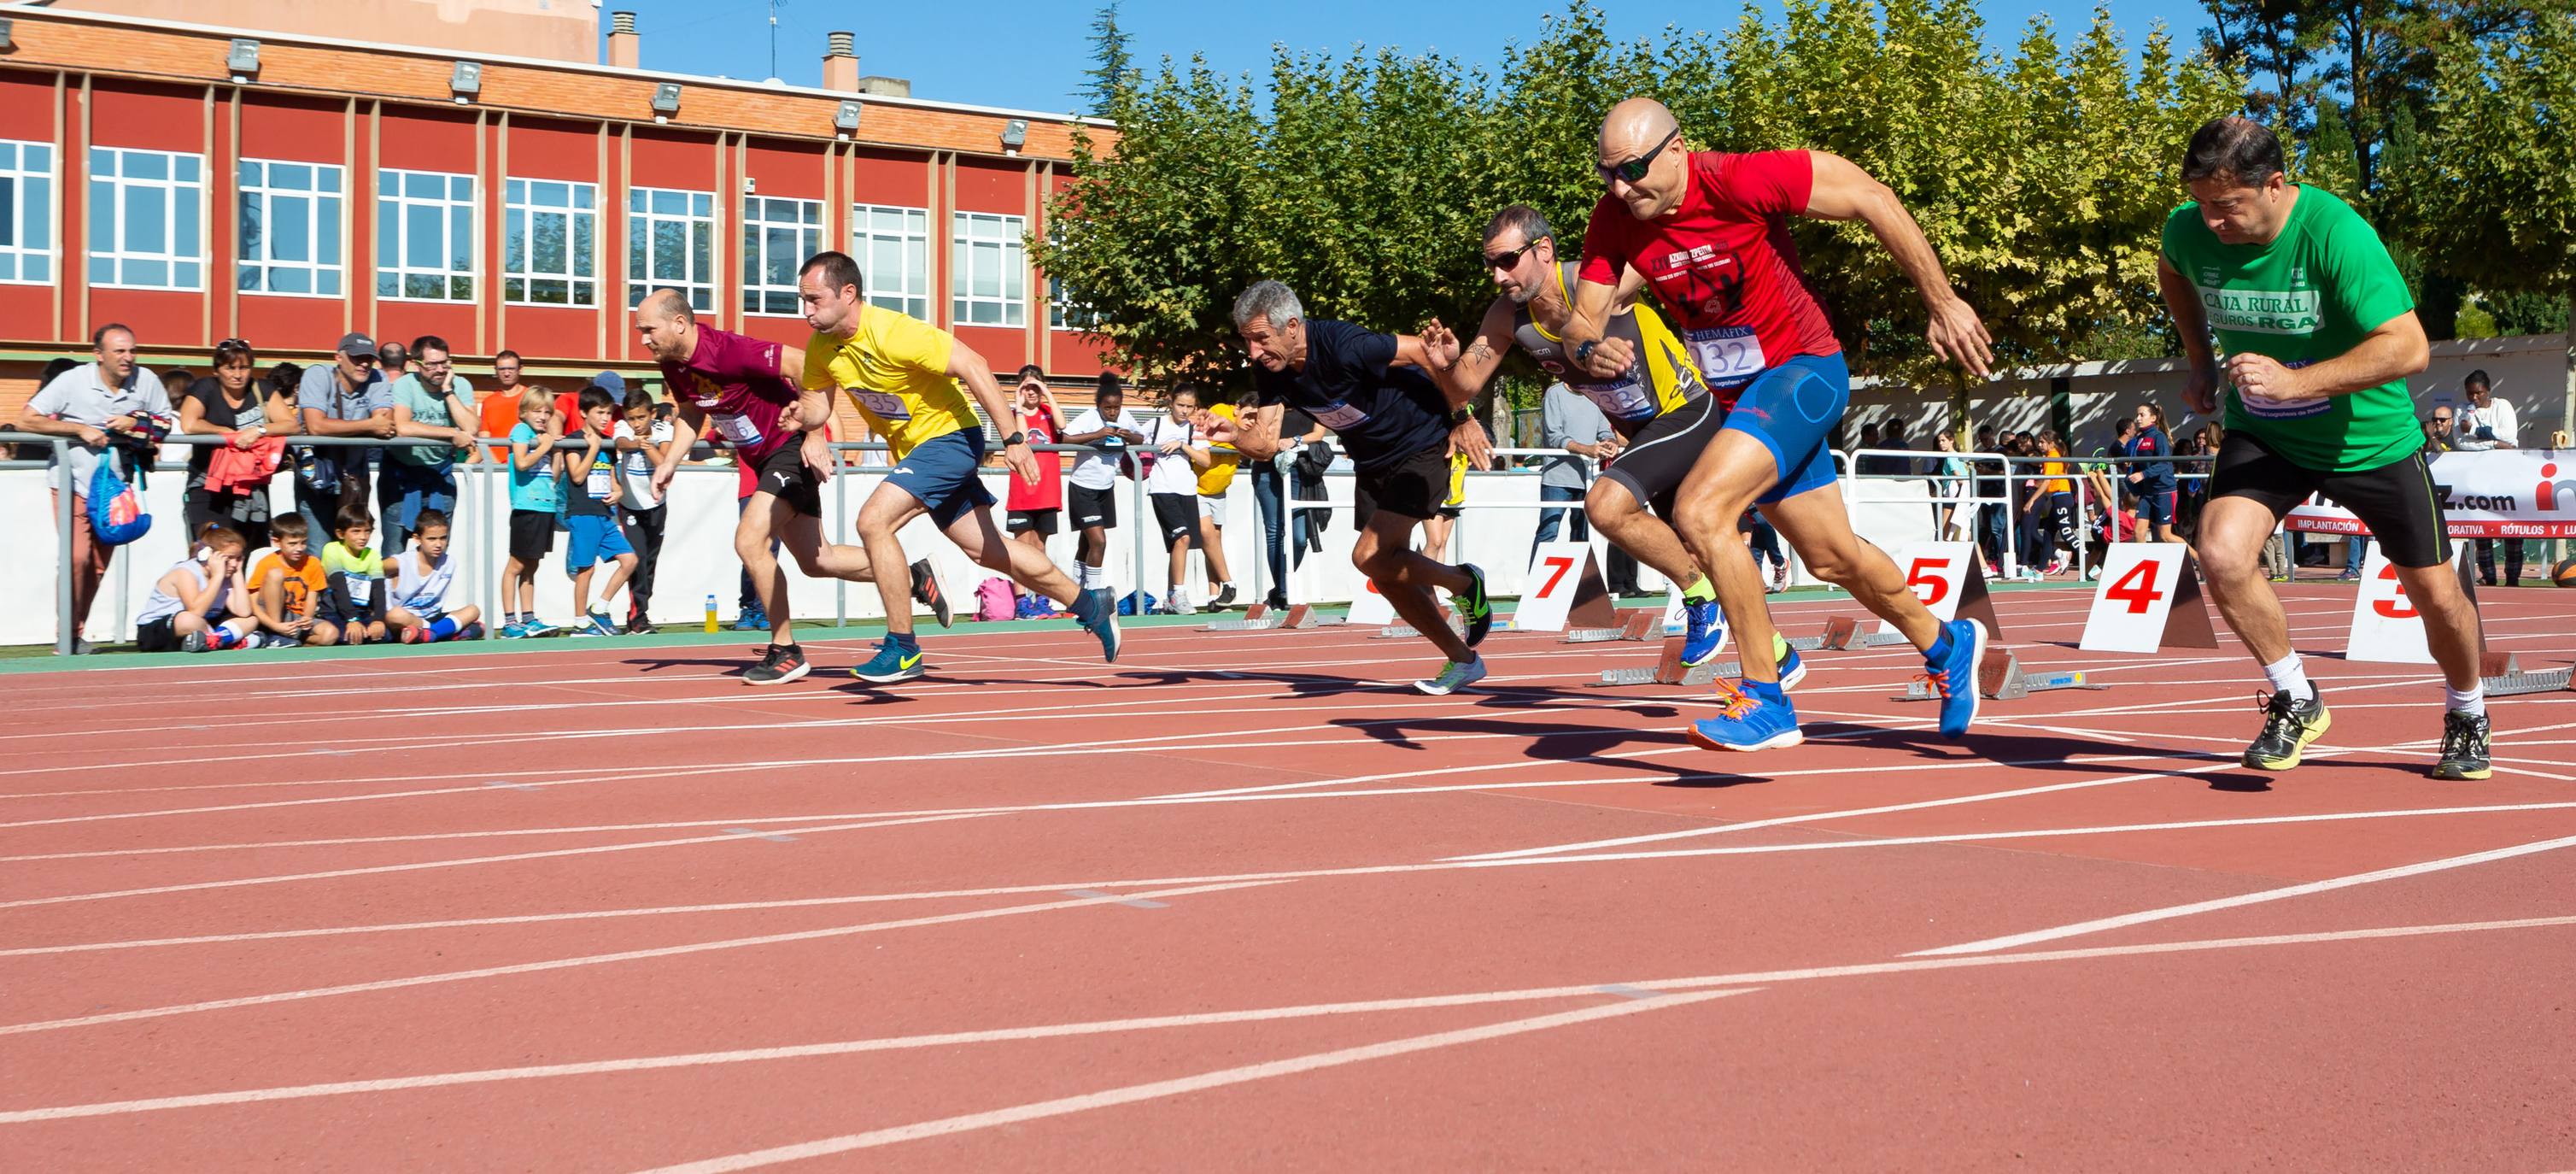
<point x="846" y="119"/>
<point x="466" y="81"/>
<point x="242" y="61"/>
<point x="666" y="101"/>
<point x="1015" y="135"/>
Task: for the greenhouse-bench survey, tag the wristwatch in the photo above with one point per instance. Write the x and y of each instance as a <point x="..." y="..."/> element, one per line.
<point x="1583" y="350"/>
<point x="1462" y="415"/>
<point x="1015" y="438"/>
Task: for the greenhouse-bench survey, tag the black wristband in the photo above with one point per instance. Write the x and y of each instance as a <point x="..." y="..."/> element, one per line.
<point x="1583" y="350"/>
<point x="1015" y="438"/>
<point x="1459" y="416"/>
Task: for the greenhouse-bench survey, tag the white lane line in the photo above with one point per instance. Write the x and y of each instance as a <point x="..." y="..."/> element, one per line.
<point x="603" y="959"/>
<point x="1248" y="1015"/>
<point x="1307" y="874"/>
<point x="1182" y="1086"/>
<point x="2240" y="900"/>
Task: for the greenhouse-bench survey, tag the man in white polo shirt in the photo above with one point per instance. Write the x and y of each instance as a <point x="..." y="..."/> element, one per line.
<point x="112" y="394"/>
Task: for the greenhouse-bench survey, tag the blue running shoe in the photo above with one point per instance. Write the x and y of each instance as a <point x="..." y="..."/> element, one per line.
<point x="753" y="620"/>
<point x="1704" y="632"/>
<point x="1951" y="666"/>
<point x="1101" y="620"/>
<point x="891" y="664"/>
<point x="1749" y="720"/>
<point x="514" y="630"/>
<point x="1792" y="669"/>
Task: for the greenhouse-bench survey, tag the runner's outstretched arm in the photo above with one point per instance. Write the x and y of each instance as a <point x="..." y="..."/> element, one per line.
<point x="2394" y="351"/>
<point x="2200" y="386"/>
<point x="969" y="368"/>
<point x="1842" y="191"/>
<point x="1257" y="435"/>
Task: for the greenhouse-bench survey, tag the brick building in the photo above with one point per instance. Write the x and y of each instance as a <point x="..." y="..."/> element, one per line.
<point x="203" y="183"/>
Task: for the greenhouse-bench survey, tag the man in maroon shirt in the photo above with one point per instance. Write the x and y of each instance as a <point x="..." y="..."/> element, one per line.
<point x="1709" y="233"/>
<point x="745" y="390"/>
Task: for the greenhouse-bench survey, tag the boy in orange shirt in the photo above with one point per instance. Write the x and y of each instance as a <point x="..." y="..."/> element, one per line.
<point x="287" y="585"/>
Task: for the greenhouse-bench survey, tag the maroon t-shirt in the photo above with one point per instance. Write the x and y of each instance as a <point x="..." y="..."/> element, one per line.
<point x="1048" y="494"/>
<point x="748" y="400"/>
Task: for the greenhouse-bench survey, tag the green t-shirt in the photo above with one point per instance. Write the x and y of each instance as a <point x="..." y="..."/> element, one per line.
<point x="428" y="409"/>
<point x="2310" y="295"/>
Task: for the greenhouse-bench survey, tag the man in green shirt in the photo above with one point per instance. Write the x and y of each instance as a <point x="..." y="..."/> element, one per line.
<point x="2320" y="335"/>
<point x="430" y="405"/>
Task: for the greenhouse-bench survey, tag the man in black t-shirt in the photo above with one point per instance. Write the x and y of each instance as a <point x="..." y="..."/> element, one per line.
<point x="1399" y="428"/>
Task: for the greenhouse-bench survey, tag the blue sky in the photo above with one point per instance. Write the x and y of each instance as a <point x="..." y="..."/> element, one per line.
<point x="1030" y="55"/>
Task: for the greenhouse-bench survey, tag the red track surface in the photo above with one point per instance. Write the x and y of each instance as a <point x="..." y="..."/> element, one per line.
<point x="362" y="916"/>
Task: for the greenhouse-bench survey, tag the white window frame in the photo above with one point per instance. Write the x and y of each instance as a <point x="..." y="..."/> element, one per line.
<point x="756" y="226"/>
<point x="642" y="225"/>
<point x="1063" y="313"/>
<point x="110" y="211"/>
<point x="906" y="289"/>
<point x="981" y="240"/>
<point x="326" y="279"/>
<point x="394" y="228"/>
<point x="524" y="203"/>
<point x="36" y="212"/>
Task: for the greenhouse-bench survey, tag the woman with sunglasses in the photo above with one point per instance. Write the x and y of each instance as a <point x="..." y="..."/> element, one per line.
<point x="231" y="403"/>
<point x="1709" y="232"/>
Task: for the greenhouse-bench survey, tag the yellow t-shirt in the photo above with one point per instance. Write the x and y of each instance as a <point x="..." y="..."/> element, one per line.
<point x="895" y="369"/>
<point x="2057" y="470"/>
<point x="1219" y="474"/>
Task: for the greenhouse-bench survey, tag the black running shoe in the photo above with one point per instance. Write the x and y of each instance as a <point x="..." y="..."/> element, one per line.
<point x="781" y="664"/>
<point x="925" y="587"/>
<point x="2289" y="724"/>
<point x="2464" y="747"/>
<point x="1477" y="610"/>
<point x="1223" y="599"/>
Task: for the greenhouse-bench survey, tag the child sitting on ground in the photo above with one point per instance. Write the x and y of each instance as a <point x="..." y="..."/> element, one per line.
<point x="200" y="604"/>
<point x="287" y="587"/>
<point x="355" y="574"/>
<point x="424" y="605"/>
<point x="535" y="494"/>
<point x="591" y="495"/>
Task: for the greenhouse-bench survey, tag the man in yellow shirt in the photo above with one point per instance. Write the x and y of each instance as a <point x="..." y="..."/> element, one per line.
<point x="902" y="374"/>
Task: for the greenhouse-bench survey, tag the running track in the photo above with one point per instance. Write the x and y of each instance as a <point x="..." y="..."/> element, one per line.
<point x="1243" y="901"/>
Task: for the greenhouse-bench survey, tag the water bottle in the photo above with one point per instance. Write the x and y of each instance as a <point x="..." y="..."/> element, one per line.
<point x="711" y="611"/>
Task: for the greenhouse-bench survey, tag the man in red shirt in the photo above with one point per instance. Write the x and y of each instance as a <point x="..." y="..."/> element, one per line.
<point x="745" y="390"/>
<point x="1708" y="231"/>
<point x="1036" y="507"/>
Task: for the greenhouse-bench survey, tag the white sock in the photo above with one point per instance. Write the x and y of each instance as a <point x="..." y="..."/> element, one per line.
<point x="2471" y="701"/>
<point x="2289" y="675"/>
<point x="1085" y="575"/>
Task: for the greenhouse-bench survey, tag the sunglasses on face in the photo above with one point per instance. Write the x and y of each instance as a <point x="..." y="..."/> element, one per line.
<point x="1634" y="170"/>
<point x="1510" y="259"/>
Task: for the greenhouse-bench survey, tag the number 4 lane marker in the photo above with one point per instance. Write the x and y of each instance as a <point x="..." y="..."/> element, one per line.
<point x="2148" y="601"/>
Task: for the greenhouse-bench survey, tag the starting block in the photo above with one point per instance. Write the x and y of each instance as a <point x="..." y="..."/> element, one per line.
<point x="1304" y="615"/>
<point x="1669" y="669"/>
<point x="2001" y="678"/>
<point x="1246" y="624"/>
<point x="1843" y="632"/>
<point x="1635" y="624"/>
<point x="2514" y="682"/>
<point x="1457" y="624"/>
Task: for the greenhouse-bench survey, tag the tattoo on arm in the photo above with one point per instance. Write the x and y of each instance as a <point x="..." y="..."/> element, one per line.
<point x="1479" y="352"/>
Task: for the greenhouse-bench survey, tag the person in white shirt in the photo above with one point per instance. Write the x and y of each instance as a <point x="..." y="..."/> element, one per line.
<point x="1091" y="495"/>
<point x="1173" y="487"/>
<point x="2487" y="424"/>
<point x="642" y="437"/>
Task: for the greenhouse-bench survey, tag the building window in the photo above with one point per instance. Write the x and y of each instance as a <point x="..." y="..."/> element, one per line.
<point x="146" y="219"/>
<point x="547" y="256"/>
<point x="671" y="243"/>
<point x="290" y="228"/>
<point x="1063" y="313"/>
<point x="990" y="268"/>
<point x="425" y="236"/>
<point x="26" y="212"/>
<point x="893" y="249"/>
<point x="777" y="236"/>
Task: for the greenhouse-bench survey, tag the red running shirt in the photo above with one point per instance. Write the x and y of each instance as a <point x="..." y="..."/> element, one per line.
<point x="1048" y="494"/>
<point x="736" y="381"/>
<point x="1722" y="263"/>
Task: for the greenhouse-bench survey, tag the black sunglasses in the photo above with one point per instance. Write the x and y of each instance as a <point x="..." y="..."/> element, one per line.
<point x="1509" y="260"/>
<point x="1635" y="169"/>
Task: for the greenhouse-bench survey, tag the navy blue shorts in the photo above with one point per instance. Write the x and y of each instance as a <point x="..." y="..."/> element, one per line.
<point x="2156" y="507"/>
<point x="595" y="539"/>
<point x="940" y="474"/>
<point x="1792" y="409"/>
